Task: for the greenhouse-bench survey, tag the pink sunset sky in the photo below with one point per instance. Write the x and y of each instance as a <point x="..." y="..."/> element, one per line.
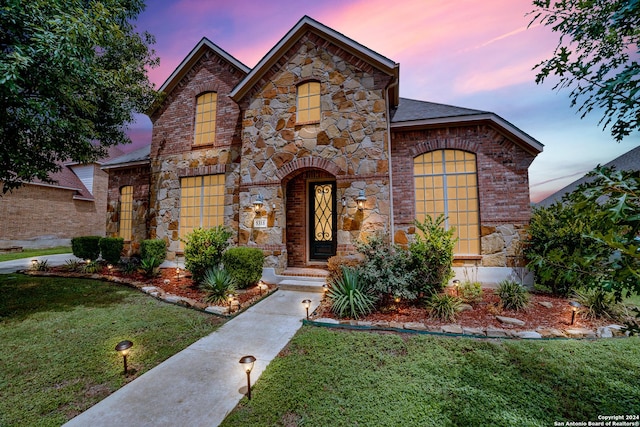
<point x="468" y="53"/>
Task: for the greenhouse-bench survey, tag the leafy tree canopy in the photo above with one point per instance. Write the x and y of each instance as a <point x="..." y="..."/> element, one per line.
<point x="596" y="57"/>
<point x="72" y="75"/>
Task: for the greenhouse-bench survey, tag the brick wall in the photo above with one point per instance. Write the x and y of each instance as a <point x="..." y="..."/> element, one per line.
<point x="37" y="212"/>
<point x="503" y="183"/>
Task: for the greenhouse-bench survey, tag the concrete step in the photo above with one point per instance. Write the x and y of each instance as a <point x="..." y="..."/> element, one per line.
<point x="302" y="284"/>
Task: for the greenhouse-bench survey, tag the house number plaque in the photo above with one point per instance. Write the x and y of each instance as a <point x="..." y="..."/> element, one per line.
<point x="260" y="223"/>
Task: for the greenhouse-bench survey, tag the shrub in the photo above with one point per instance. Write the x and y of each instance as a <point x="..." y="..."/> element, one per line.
<point x="86" y="247"/>
<point x="596" y="302"/>
<point x="73" y="265"/>
<point x="470" y="292"/>
<point x="91" y="267"/>
<point x="150" y="266"/>
<point x="335" y="264"/>
<point x="385" y="269"/>
<point x="111" y="249"/>
<point x="443" y="306"/>
<point x="218" y="285"/>
<point x="203" y="250"/>
<point x="155" y="248"/>
<point x="244" y="265"/>
<point x="432" y="255"/>
<point x="130" y="265"/>
<point x="350" y="296"/>
<point x="512" y="295"/>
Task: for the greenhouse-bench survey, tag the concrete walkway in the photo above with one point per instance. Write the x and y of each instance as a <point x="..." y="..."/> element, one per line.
<point x="7" y="267"/>
<point x="202" y="383"/>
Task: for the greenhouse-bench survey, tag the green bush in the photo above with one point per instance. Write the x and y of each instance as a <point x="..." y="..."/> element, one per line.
<point x="470" y="292"/>
<point x="91" y="267"/>
<point x="203" y="250"/>
<point x="86" y="247"/>
<point x="244" y="265"/>
<point x="596" y="302"/>
<point x="385" y="269"/>
<point x="155" y="248"/>
<point x="349" y="295"/>
<point x="432" y="255"/>
<point x="337" y="262"/>
<point x="443" y="307"/>
<point x="218" y="285"/>
<point x="512" y="295"/>
<point x="111" y="249"/>
<point x="150" y="266"/>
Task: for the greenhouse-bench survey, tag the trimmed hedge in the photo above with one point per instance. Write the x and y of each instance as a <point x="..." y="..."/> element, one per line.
<point x="111" y="249"/>
<point x="153" y="248"/>
<point x="86" y="247"/>
<point x="244" y="265"/>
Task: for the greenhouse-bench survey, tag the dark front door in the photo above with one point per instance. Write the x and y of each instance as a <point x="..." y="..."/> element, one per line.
<point x="322" y="221"/>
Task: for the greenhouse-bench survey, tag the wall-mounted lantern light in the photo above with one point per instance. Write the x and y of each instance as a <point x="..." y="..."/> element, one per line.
<point x="360" y="200"/>
<point x="575" y="306"/>
<point x="456" y="285"/>
<point x="247" y="363"/>
<point x="344" y="201"/>
<point x="123" y="348"/>
<point x="307" y="304"/>
<point x="258" y="203"/>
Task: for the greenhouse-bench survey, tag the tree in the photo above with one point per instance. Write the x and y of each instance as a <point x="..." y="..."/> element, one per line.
<point x="596" y="57"/>
<point x="72" y="75"/>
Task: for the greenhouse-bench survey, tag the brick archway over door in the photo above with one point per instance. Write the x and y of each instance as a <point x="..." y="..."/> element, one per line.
<point x="297" y="202"/>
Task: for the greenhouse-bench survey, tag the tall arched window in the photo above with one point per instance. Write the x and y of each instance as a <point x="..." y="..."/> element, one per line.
<point x="126" y="212"/>
<point x="446" y="182"/>
<point x="308" y="102"/>
<point x="206" y="118"/>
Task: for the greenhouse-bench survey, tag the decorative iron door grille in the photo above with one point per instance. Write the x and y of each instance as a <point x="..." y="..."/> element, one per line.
<point x="323" y="220"/>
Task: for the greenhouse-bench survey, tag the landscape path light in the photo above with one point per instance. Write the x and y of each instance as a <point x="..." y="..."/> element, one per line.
<point x="575" y="306"/>
<point x="247" y="363"/>
<point x="34" y="263"/>
<point x="307" y="304"/>
<point x="123" y="348"/>
<point x="456" y="285"/>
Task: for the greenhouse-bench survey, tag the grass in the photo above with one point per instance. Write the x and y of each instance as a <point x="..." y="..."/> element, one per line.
<point x="339" y="378"/>
<point x="58" y="337"/>
<point x="28" y="253"/>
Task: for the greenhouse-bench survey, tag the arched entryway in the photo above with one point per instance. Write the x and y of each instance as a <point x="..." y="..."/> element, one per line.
<point x="311" y="235"/>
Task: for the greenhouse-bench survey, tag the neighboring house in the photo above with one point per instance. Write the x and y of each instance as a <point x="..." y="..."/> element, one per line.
<point x="41" y="214"/>
<point x="627" y="161"/>
<point x="282" y="153"/>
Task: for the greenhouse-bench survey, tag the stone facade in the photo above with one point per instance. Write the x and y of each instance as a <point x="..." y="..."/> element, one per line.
<point x="358" y="146"/>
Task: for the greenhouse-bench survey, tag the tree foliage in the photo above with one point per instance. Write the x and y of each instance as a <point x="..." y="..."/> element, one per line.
<point x="72" y="74"/>
<point x="596" y="57"/>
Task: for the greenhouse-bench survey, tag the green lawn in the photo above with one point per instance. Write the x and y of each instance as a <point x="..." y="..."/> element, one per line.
<point x="58" y="337"/>
<point x="340" y="378"/>
<point x="28" y="253"/>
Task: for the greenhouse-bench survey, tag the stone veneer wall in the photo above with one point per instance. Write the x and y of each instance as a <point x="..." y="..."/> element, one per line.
<point x="349" y="143"/>
<point x="174" y="156"/>
<point x="503" y="180"/>
<point x="138" y="177"/>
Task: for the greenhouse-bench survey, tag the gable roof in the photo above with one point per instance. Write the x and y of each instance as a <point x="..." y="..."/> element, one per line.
<point x="189" y="61"/>
<point x="304" y="25"/>
<point x="627" y="161"/>
<point x="414" y="114"/>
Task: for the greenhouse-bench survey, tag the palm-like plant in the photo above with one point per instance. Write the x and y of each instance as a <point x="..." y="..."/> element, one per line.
<point x="349" y="295"/>
<point x="218" y="285"/>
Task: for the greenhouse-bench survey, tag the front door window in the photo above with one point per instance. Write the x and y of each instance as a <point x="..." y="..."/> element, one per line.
<point x="322" y="220"/>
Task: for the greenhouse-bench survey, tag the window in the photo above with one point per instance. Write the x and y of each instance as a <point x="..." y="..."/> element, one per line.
<point x="201" y="202"/>
<point x="206" y="118"/>
<point x="126" y="212"/>
<point x="446" y="182"/>
<point x="308" y="102"/>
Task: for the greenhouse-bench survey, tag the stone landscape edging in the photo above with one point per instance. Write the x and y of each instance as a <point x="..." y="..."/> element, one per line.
<point x="155" y="292"/>
<point x="454" y="330"/>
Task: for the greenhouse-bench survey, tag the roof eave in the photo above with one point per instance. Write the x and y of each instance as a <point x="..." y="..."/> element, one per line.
<point x="529" y="143"/>
<point x="126" y="165"/>
<point x="189" y="61"/>
<point x="308" y="24"/>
